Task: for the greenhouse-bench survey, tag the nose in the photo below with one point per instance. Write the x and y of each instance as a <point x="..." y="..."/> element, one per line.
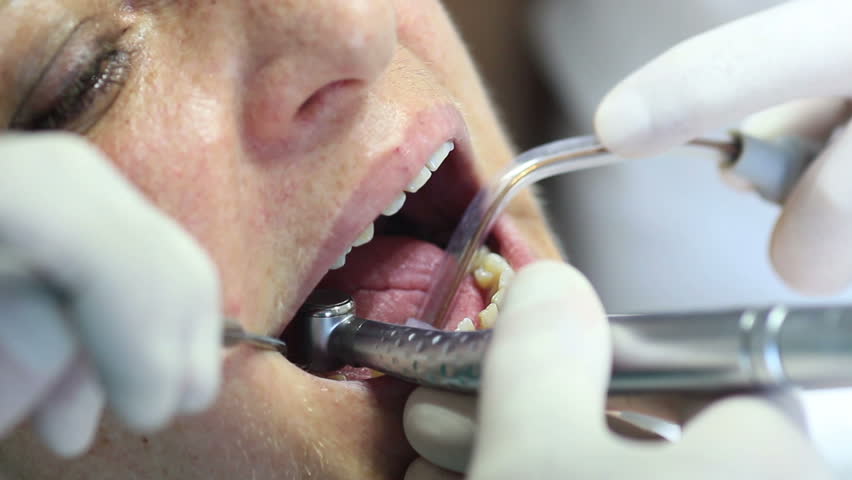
<point x="310" y="62"/>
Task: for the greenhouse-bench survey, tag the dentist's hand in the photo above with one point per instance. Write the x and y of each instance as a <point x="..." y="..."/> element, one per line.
<point x="799" y="51"/>
<point x="541" y="410"/>
<point x="102" y="298"/>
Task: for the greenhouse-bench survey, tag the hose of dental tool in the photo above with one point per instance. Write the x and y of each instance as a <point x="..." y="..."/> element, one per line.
<point x="705" y="351"/>
<point x="768" y="168"/>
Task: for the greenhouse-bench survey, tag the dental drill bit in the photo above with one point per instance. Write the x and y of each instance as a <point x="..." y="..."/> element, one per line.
<point x="234" y="334"/>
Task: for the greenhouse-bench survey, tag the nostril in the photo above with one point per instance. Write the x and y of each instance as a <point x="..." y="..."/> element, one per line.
<point x="337" y="96"/>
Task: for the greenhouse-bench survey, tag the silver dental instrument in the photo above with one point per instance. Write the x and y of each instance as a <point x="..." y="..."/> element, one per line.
<point x="769" y="168"/>
<point x="743" y="349"/>
<point x="234" y="334"/>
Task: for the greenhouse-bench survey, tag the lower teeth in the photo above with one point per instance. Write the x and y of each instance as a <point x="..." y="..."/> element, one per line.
<point x="492" y="274"/>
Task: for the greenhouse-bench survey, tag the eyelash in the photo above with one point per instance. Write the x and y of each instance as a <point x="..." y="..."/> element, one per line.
<point x="105" y="74"/>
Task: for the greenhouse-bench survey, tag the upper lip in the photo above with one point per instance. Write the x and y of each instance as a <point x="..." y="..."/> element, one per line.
<point x="427" y="131"/>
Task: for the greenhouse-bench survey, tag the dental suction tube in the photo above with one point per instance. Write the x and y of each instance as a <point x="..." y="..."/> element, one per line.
<point x="770" y="169"/>
<point x="745" y="349"/>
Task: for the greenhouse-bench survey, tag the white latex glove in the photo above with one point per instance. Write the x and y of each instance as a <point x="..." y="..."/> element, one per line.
<point x="137" y="322"/>
<point x="799" y="51"/>
<point x="541" y="410"/>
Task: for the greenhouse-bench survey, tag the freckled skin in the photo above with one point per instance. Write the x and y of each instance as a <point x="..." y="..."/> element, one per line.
<point x="209" y="128"/>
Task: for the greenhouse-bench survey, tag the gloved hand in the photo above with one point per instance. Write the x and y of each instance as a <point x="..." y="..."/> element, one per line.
<point x="541" y="407"/>
<point x="797" y="52"/>
<point x="102" y="298"/>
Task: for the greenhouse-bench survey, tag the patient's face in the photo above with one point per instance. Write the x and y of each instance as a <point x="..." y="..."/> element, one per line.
<point x="275" y="132"/>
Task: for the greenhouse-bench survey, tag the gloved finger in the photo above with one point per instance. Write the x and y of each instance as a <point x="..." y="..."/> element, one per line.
<point x="421" y="469"/>
<point x="810" y="244"/>
<point x="440" y="426"/>
<point x="760" y="442"/>
<point x="139" y="336"/>
<point x="546" y="370"/>
<point x="203" y="332"/>
<point x="795" y="50"/>
<point x="136" y="279"/>
<point x="811" y="118"/>
<point x="67" y="419"/>
<point x="35" y="348"/>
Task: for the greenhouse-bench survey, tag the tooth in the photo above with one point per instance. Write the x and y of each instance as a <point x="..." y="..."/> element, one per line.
<point x="497" y="298"/>
<point x="479" y="256"/>
<point x="488" y="317"/>
<point x="341" y="261"/>
<point x="484" y="278"/>
<point x="505" y="278"/>
<point x="395" y="205"/>
<point x="495" y="263"/>
<point x="438" y="157"/>
<point x="419" y="180"/>
<point x="365" y="237"/>
<point x="466" y="325"/>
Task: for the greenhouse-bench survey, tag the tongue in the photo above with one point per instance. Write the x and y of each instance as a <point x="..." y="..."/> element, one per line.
<point x="389" y="278"/>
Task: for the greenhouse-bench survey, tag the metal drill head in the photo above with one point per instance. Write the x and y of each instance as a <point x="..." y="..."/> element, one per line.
<point x="308" y="335"/>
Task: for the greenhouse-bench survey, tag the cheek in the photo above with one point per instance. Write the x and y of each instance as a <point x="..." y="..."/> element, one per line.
<point x="175" y="145"/>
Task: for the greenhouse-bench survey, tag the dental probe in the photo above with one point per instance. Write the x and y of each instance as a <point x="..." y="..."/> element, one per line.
<point x="234" y="334"/>
<point x="768" y="168"/>
<point x="743" y="349"/>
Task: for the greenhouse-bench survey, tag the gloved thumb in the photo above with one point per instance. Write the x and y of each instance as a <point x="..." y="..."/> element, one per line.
<point x="810" y="245"/>
<point x="548" y="365"/>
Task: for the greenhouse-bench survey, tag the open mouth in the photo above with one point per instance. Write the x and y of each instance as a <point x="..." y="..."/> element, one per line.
<point x="388" y="269"/>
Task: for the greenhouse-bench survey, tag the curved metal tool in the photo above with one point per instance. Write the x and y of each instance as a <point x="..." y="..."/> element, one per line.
<point x="234" y="334"/>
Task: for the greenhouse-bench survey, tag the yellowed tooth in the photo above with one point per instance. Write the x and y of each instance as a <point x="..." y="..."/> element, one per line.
<point x="488" y="317"/>
<point x="505" y="277"/>
<point x="495" y="263"/>
<point x="497" y="298"/>
<point x="466" y="325"/>
<point x="479" y="256"/>
<point x="337" y="376"/>
<point x="484" y="278"/>
<point x="499" y="288"/>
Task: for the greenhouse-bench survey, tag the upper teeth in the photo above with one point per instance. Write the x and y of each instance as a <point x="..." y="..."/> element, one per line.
<point x="395" y="206"/>
<point x="420" y="180"/>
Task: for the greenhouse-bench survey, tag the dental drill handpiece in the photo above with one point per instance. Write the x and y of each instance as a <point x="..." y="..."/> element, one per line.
<point x="745" y="349"/>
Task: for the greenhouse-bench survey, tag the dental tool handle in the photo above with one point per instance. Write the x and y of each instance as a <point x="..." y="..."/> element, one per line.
<point x="435" y="358"/>
<point x="704" y="351"/>
<point x="809" y="347"/>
